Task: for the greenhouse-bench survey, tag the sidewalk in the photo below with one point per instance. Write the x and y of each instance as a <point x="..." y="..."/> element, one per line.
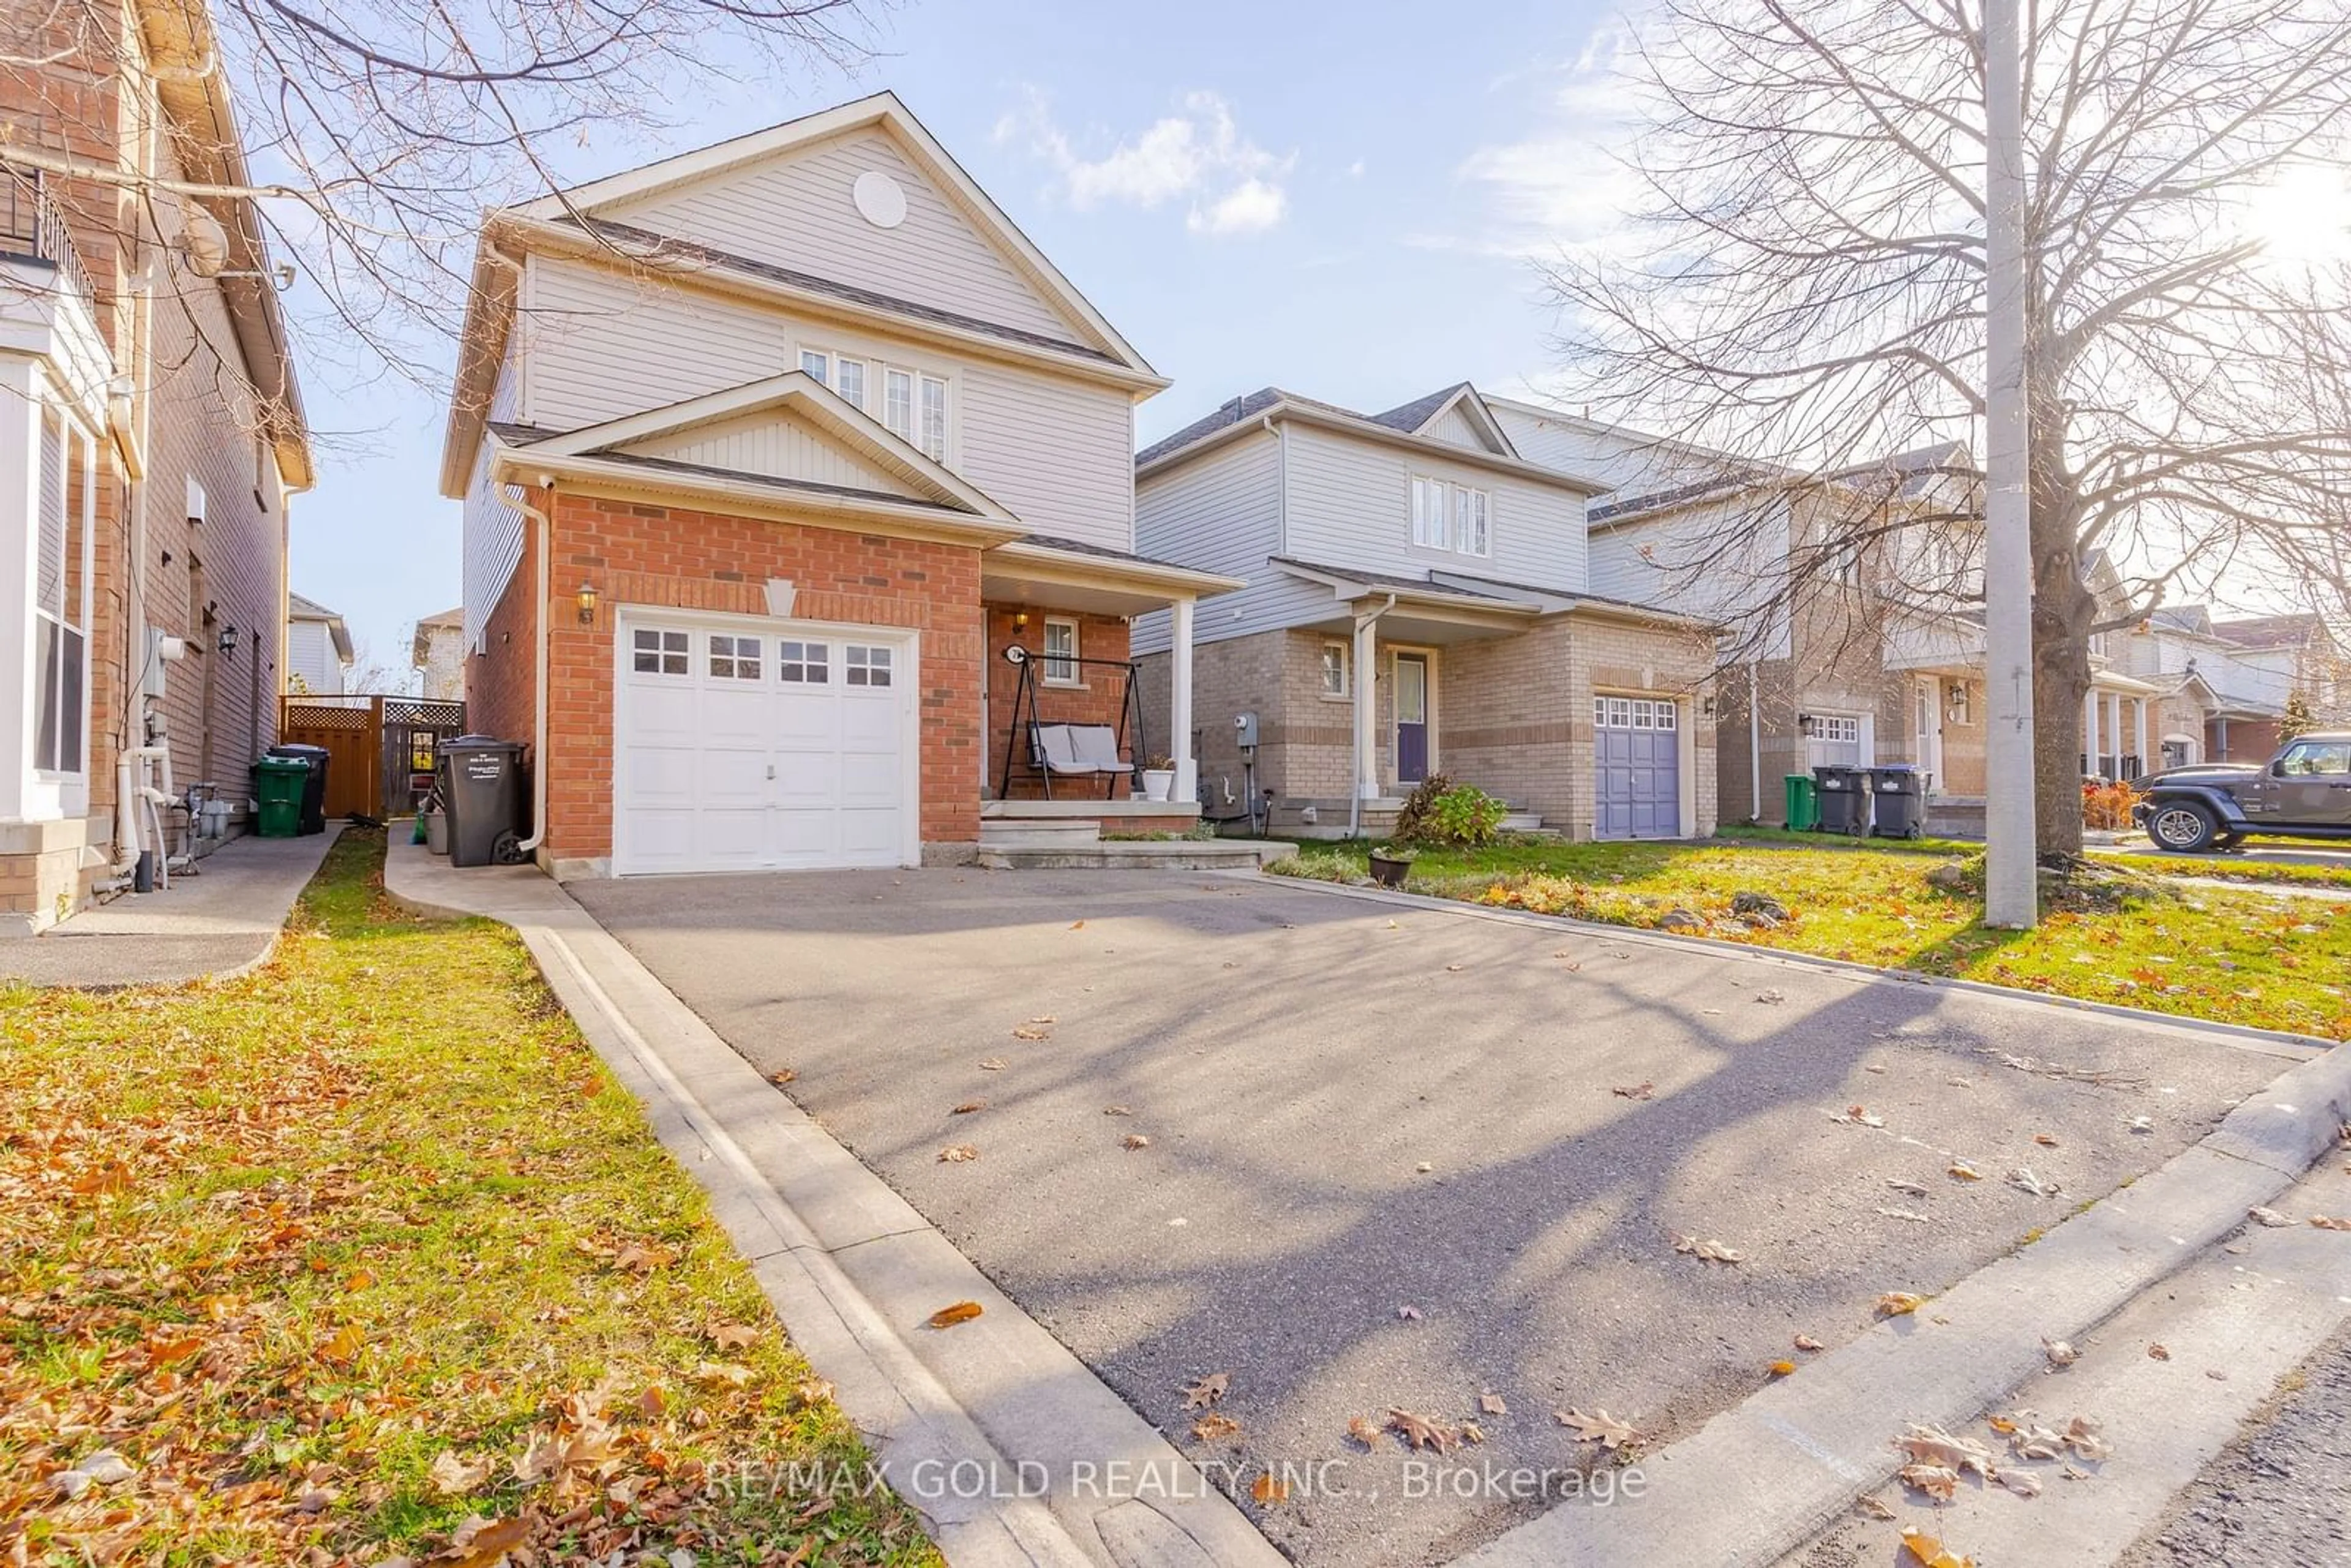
<point x="219" y="920"/>
<point x="1011" y="1449"/>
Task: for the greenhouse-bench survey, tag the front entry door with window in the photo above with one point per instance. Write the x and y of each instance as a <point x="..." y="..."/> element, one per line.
<point x="1929" y="700"/>
<point x="1411" y="718"/>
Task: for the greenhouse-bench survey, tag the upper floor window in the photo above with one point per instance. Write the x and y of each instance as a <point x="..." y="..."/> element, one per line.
<point x="911" y="405"/>
<point x="1450" y="516"/>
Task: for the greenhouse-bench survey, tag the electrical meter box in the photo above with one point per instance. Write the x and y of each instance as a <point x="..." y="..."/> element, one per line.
<point x="1245" y="731"/>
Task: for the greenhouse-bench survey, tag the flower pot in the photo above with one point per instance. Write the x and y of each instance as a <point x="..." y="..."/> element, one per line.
<point x="1157" y="782"/>
<point x="1388" y="870"/>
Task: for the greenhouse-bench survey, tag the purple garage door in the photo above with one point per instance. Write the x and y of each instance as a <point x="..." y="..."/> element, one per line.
<point x="1637" y="760"/>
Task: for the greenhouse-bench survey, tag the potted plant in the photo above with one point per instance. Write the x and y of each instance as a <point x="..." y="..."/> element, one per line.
<point x="1158" y="778"/>
<point x="1389" y="866"/>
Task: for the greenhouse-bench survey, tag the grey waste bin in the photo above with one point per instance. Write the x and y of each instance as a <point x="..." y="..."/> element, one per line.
<point x="481" y="790"/>
<point x="314" y="789"/>
<point x="1845" y="798"/>
<point x="1898" y="792"/>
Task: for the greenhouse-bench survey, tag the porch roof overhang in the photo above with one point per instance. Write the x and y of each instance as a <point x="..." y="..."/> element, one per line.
<point x="2108" y="681"/>
<point x="1048" y="573"/>
<point x="1413" y="609"/>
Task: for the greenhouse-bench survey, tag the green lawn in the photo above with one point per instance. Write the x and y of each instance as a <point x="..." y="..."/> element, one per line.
<point x="2119" y="936"/>
<point x="366" y="1251"/>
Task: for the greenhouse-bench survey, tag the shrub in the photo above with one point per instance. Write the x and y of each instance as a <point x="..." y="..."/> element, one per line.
<point x="2107" y="805"/>
<point x="1443" y="813"/>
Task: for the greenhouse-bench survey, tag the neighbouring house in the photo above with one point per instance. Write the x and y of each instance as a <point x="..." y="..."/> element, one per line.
<point x="151" y="435"/>
<point x="771" y="453"/>
<point x="318" y="650"/>
<point x="1417" y="603"/>
<point x="437" y="654"/>
<point x="2225" y="684"/>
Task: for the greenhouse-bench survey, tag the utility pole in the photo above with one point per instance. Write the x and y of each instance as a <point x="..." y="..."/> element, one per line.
<point x="2012" y="896"/>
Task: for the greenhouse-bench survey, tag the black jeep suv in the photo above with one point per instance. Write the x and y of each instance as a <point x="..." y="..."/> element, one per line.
<point x="2304" y="792"/>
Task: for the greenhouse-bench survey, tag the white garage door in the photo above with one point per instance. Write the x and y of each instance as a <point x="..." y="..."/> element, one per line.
<point x="751" y="746"/>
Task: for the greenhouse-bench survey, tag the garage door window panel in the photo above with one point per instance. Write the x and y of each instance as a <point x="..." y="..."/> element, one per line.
<point x="660" y="653"/>
<point x="804" y="663"/>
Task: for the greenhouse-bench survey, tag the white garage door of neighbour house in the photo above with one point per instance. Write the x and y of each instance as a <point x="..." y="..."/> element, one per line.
<point x="762" y="745"/>
<point x="1834" y="740"/>
<point x="1636" y="756"/>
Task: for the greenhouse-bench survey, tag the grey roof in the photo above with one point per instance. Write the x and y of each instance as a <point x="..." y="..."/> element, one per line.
<point x="300" y="609"/>
<point x="2193" y="618"/>
<point x="1248" y="406"/>
<point x="1416" y="584"/>
<point x="605" y="228"/>
<point x="1738" y="479"/>
<point x="1409" y="417"/>
<point x="515" y="434"/>
<point x="2268" y="630"/>
<point x="1079" y="546"/>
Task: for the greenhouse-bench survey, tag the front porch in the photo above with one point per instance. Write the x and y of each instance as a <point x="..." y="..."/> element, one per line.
<point x="2116" y="733"/>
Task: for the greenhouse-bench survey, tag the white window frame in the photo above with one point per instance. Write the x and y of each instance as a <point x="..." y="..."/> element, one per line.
<point x="1431" y="513"/>
<point x="1472" y="521"/>
<point x="1072" y="672"/>
<point x="1324" y="668"/>
<point x="842" y="365"/>
<point x="821" y="369"/>
<point x="916" y="406"/>
<point x="896" y="384"/>
<point x="931" y="420"/>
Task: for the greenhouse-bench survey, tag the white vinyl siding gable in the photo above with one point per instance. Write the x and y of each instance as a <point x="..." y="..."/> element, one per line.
<point x="799" y="213"/>
<point x="1710" y="560"/>
<point x="778" y="445"/>
<point x="1058" y="453"/>
<point x="1222" y="513"/>
<point x="1350" y="505"/>
<point x="493" y="529"/>
<point x="1456" y="428"/>
<point x="311" y="659"/>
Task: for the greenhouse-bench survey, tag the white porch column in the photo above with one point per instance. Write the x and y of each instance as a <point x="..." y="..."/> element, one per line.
<point x="2115" y="728"/>
<point x="1179" y="705"/>
<point x="2090" y="730"/>
<point x="1365" y="675"/>
<point x="22" y="392"/>
<point x="2140" y="742"/>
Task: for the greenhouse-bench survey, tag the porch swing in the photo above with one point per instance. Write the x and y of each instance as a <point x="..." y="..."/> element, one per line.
<point x="1060" y="749"/>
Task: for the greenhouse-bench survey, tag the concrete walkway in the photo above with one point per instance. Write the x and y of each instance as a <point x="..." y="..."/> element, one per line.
<point x="1013" y="1452"/>
<point x="219" y="920"/>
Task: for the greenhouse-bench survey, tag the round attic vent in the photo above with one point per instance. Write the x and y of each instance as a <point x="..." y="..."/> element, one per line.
<point x="880" y="200"/>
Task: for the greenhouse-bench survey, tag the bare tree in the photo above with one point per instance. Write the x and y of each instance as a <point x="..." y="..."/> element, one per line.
<point x="1807" y="290"/>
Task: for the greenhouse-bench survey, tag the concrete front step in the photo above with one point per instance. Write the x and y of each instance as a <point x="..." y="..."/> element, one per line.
<point x="1031" y="833"/>
<point x="1140" y="854"/>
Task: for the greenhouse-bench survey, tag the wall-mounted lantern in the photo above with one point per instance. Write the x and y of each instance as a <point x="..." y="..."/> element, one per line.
<point x="226" y="643"/>
<point x="587" y="603"/>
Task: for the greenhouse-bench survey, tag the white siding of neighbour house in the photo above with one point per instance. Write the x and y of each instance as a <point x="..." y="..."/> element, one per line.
<point x="1057" y="452"/>
<point x="1679" y="559"/>
<point x="799" y="214"/>
<point x="311" y="665"/>
<point x="1222" y="513"/>
<point x="1349" y="504"/>
<point x="493" y="530"/>
<point x="1456" y="429"/>
<point x="1629" y="463"/>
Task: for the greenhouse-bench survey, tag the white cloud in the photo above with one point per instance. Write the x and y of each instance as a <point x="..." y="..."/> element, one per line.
<point x="1231" y="184"/>
<point x="1560" y="185"/>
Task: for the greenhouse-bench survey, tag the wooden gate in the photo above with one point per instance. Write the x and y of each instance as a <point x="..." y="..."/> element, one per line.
<point x="351" y="731"/>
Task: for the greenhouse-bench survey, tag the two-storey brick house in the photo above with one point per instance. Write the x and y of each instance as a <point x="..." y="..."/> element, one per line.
<point x="771" y="453"/>
<point x="1418" y="602"/>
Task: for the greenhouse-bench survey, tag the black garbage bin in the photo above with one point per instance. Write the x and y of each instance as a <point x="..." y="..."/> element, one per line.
<point x="314" y="789"/>
<point x="1898" y="793"/>
<point x="1843" y="794"/>
<point x="481" y="790"/>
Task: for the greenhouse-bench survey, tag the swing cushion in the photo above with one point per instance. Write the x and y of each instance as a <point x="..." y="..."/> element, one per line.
<point x="1078" y="748"/>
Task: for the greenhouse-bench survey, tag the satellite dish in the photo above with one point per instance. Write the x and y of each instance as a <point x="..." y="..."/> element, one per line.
<point x="203" y="242"/>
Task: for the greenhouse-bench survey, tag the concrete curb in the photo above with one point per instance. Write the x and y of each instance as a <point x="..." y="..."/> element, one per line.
<point x="1012" y="1450"/>
<point x="2271" y="1042"/>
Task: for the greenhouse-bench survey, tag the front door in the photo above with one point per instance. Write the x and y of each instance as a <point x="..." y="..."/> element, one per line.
<point x="1928" y="700"/>
<point x="1411" y="718"/>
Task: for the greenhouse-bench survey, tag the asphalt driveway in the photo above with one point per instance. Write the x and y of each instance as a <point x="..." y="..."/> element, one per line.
<point x="1405" y="1157"/>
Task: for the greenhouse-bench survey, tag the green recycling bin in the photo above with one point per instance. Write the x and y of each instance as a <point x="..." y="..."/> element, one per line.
<point x="279" y="783"/>
<point x="1803" y="803"/>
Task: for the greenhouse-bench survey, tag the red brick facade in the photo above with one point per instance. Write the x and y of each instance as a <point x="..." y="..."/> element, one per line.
<point x="1097" y="698"/>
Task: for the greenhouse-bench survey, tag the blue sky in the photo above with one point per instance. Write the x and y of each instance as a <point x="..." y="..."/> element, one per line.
<point x="1341" y="201"/>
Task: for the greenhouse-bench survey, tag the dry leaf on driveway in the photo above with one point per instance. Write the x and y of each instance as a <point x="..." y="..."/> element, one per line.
<point x="992" y="1064"/>
<point x="2023" y="1483"/>
<point x="1770" y="995"/>
<point x="1962" y="1171"/>
<point x="1643" y="1091"/>
<point x="1705" y="1251"/>
<point x="2023" y="1180"/>
<point x="1364" y="1430"/>
<point x="1032" y="1031"/>
<point x="2269" y="1217"/>
<point x="1213" y="1425"/>
<point x="1907" y="1188"/>
<point x="967" y="1107"/>
<point x="782" y="1075"/>
<point x="1117" y="1111"/>
<point x="1909" y="1214"/>
<point x="1870" y="1507"/>
<point x="1857" y="1116"/>
<point x="2085" y="1438"/>
<point x="1267" y="1489"/>
<point x="1931" y="1552"/>
<point x="1408" y="1314"/>
<point x="1938" y="1481"/>
<point x="2159" y="1353"/>
<point x="1209" y="1392"/>
<point x="961" y="1312"/>
<point x="1419" y="1431"/>
<point x="958" y="1153"/>
<point x="1933" y="1446"/>
<point x="1896" y="1304"/>
<point x="2059" y="1352"/>
<point x="1134" y="1141"/>
<point x="2325" y="1223"/>
<point x="1598" y="1426"/>
<point x="1781" y="1369"/>
<point x="1806" y="1341"/>
<point x="1491" y="1404"/>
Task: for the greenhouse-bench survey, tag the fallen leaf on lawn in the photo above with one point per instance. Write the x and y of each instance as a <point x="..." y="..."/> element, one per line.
<point x="727" y="1372"/>
<point x="2023" y="1180"/>
<point x="1938" y="1481"/>
<point x="1806" y="1341"/>
<point x="2023" y="1483"/>
<point x="812" y="1392"/>
<point x="1933" y="1446"/>
<point x="958" y="1153"/>
<point x="1267" y="1489"/>
<point x="453" y="1477"/>
<point x="1963" y="1171"/>
<point x="165" y="1353"/>
<point x="1491" y="1404"/>
<point x="653" y="1401"/>
<point x="1643" y="1091"/>
<point x="1117" y="1111"/>
<point x="1364" y="1430"/>
<point x="1895" y="1303"/>
<point x="960" y="1312"/>
<point x="1209" y="1392"/>
<point x="1134" y="1141"/>
<point x="1870" y="1507"/>
<point x="2269" y="1217"/>
<point x="1930" y="1551"/>
<point x="992" y="1064"/>
<point x="1599" y="1426"/>
<point x="1859" y="1116"/>
<point x="2158" y="1352"/>
<point x="644" y="1258"/>
<point x="733" y="1336"/>
<point x="344" y="1346"/>
<point x="1213" y="1425"/>
<point x="1419" y="1431"/>
<point x="2059" y="1352"/>
<point x="539" y="1459"/>
<point x="1705" y="1251"/>
<point x="483" y="1544"/>
<point x="2044" y="1140"/>
<point x="108" y="1179"/>
<point x="1781" y="1369"/>
<point x="2325" y="1223"/>
<point x="361" y="1279"/>
<point x="782" y="1075"/>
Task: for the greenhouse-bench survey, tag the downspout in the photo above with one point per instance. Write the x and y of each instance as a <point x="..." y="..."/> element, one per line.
<point x="1366" y="696"/>
<point x="539" y="619"/>
<point x="1754" y="741"/>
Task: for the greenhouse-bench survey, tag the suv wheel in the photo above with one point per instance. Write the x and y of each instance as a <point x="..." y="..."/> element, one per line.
<point x="2181" y="826"/>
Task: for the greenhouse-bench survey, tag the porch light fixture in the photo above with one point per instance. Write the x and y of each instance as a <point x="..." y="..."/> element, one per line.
<point x="1020" y="621"/>
<point x="587" y="603"/>
<point x="226" y="642"/>
<point x="1804" y="722"/>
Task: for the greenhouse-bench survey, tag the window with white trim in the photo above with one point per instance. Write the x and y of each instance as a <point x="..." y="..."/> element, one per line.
<point x="818" y="365"/>
<point x="734" y="658"/>
<point x="1429" y="529"/>
<point x="1335" y="669"/>
<point x="659" y="653"/>
<point x="1470" y="535"/>
<point x="1060" y="653"/>
<point x="803" y="663"/>
<point x="61" y="530"/>
<point x="1448" y="517"/>
<point x="935" y="418"/>
<point x="911" y="405"/>
<point x="866" y="667"/>
<point x="1635" y="713"/>
<point x="848" y="381"/>
<point x="898" y="402"/>
<point x="1837" y="728"/>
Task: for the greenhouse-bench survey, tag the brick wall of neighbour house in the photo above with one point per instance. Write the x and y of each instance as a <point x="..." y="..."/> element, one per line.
<point x="1303" y="737"/>
<point x="2178" y="714"/>
<point x="1619" y="657"/>
<point x="1964" y="741"/>
<point x="1098" y="698"/>
<point x="2240" y="740"/>
<point x="677" y="558"/>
